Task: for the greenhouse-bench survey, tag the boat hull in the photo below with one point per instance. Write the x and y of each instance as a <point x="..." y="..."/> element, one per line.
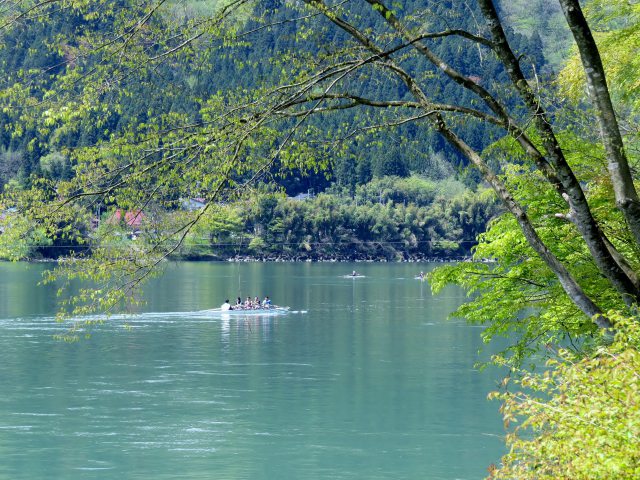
<point x="250" y="311"/>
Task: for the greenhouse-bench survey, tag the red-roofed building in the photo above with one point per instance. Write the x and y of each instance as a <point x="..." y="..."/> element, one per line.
<point x="132" y="219"/>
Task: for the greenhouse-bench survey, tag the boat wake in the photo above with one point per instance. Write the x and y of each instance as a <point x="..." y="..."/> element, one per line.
<point x="141" y="317"/>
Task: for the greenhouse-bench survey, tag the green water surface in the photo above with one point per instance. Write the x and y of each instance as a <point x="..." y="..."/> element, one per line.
<point x="364" y="379"/>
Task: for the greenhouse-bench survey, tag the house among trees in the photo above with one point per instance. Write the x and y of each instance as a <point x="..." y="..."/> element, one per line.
<point x="132" y="219"/>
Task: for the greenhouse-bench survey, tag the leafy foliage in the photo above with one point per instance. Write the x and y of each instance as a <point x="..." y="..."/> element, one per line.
<point x="518" y="297"/>
<point x="617" y="27"/>
<point x="579" y="419"/>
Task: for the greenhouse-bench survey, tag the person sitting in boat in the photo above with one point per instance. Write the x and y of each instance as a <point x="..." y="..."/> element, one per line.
<point x="247" y="302"/>
<point x="266" y="302"/>
<point x="238" y="305"/>
<point x="225" y="306"/>
<point x="421" y="275"/>
<point x="354" y="274"/>
<point x="256" y="302"/>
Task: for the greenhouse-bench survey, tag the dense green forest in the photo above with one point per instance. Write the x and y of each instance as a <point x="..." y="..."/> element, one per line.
<point x="42" y="58"/>
<point x="388" y="218"/>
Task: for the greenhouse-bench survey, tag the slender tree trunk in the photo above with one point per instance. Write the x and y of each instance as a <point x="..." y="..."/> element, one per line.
<point x="561" y="175"/>
<point x="600" y="248"/>
<point x="623" y="187"/>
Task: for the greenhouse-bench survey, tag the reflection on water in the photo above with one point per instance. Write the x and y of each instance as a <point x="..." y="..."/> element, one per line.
<point x="363" y="379"/>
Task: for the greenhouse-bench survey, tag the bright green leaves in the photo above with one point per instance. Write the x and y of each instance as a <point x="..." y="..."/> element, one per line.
<point x="518" y="296"/>
<point x="616" y="24"/>
<point x="579" y="419"/>
<point x="18" y="237"/>
<point x="383" y="10"/>
<point x="107" y="281"/>
<point x="32" y="221"/>
<point x="218" y="231"/>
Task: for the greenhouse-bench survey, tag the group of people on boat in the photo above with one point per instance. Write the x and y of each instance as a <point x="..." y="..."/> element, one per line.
<point x="248" y="304"/>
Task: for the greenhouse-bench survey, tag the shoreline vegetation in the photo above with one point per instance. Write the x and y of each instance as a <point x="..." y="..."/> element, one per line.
<point x="389" y="219"/>
<point x="269" y="259"/>
<point x="282" y="259"/>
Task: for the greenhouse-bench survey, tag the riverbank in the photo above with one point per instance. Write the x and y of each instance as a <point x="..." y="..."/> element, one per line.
<point x="396" y="257"/>
<point x="290" y="259"/>
<point x="240" y="258"/>
<point x="342" y="254"/>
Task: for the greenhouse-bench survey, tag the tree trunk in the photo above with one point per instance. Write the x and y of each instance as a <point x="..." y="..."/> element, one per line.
<point x="599" y="247"/>
<point x="570" y="286"/>
<point x="624" y="189"/>
<point x="561" y="176"/>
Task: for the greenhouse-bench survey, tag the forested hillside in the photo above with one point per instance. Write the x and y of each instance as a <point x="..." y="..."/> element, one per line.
<point x="43" y="47"/>
<point x="45" y="55"/>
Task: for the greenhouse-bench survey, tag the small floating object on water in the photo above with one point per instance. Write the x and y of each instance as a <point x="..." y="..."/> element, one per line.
<point x="353" y="274"/>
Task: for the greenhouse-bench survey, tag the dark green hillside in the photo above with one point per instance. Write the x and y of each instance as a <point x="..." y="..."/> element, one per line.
<point x="48" y="119"/>
<point x="39" y="51"/>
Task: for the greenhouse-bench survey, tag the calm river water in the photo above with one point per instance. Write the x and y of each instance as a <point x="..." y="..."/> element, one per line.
<point x="365" y="379"/>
